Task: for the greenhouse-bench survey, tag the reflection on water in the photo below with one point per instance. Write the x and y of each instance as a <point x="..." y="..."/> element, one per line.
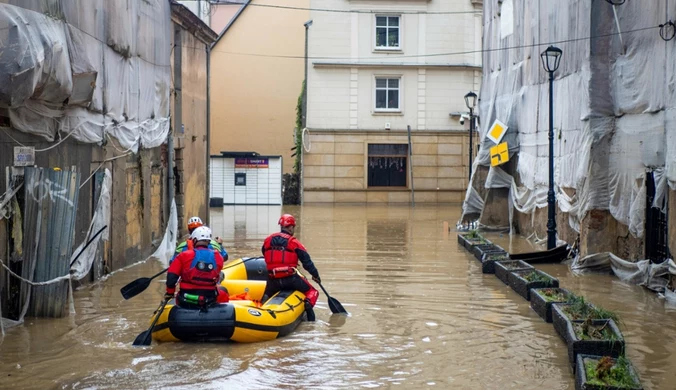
<point x="422" y="315"/>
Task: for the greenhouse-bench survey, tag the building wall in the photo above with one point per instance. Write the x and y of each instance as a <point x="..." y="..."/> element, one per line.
<point x="607" y="138"/>
<point x="191" y="156"/>
<point x="139" y="180"/>
<point x="139" y="185"/>
<point x="342" y="116"/>
<point x="253" y="98"/>
<point x="336" y="168"/>
<point x="342" y="97"/>
<point x="221" y="15"/>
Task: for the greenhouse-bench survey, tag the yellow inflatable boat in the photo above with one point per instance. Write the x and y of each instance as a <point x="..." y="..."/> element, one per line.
<point x="244" y="320"/>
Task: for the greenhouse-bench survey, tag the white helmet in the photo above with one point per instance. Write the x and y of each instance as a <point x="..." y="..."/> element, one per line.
<point x="202" y="233"/>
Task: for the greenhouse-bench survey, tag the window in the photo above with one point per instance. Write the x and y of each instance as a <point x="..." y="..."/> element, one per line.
<point x="387" y="94"/>
<point x="387" y="32"/>
<point x="240" y="179"/>
<point x="387" y="165"/>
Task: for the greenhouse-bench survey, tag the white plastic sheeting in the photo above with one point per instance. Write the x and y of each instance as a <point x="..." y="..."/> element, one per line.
<point x="643" y="273"/>
<point x="49" y="64"/>
<point x="101" y="218"/>
<point x="168" y="246"/>
<point x="614" y="116"/>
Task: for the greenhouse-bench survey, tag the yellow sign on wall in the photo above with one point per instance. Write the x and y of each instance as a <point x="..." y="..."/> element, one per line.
<point x="499" y="154"/>
<point x="497" y="131"/>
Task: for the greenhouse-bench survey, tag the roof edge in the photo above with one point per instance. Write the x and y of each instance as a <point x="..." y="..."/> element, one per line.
<point x="192" y="23"/>
<point x="231" y="22"/>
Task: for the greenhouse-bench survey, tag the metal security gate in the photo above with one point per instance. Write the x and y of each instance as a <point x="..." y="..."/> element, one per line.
<point x="656" y="225"/>
<point x="49" y="225"/>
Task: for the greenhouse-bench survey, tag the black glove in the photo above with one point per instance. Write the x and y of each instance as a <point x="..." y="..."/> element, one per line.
<point x="168" y="296"/>
<point x="317" y="279"/>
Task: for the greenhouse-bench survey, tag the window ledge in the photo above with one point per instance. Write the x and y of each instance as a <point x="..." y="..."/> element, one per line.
<point x="381" y="113"/>
<point x="389" y="189"/>
<point x="387" y="50"/>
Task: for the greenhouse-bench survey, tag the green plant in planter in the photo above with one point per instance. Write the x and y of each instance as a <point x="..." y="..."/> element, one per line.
<point x="588" y="331"/>
<point x="514" y="265"/>
<point x="553" y="295"/>
<point x="601" y="313"/>
<point x="578" y="309"/>
<point x="473" y="235"/>
<point x="609" y="372"/>
<point x="534" y="276"/>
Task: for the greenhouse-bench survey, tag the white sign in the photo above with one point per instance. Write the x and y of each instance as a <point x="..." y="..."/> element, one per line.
<point x="497" y="131"/>
<point x="24" y="156"/>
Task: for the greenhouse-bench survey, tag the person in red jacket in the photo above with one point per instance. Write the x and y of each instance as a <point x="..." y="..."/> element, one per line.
<point x="199" y="270"/>
<point x="282" y="251"/>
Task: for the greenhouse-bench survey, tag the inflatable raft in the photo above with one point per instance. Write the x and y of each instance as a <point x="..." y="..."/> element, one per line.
<point x="243" y="320"/>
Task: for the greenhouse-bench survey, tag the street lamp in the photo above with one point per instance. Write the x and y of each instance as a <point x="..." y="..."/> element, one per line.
<point x="470" y="101"/>
<point x="550" y="61"/>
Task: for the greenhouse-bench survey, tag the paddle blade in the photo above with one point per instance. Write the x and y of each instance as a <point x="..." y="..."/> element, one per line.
<point x="143" y="339"/>
<point x="336" y="307"/>
<point x="135" y="288"/>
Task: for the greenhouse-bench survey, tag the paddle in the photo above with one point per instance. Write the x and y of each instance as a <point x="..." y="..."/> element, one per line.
<point x="138" y="286"/>
<point x="334" y="305"/>
<point x="145" y="337"/>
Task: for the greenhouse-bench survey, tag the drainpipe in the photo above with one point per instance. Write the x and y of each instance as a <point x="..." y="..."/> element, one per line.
<point x="178" y="106"/>
<point x="410" y="166"/>
<point x="301" y="190"/>
<point x="208" y="191"/>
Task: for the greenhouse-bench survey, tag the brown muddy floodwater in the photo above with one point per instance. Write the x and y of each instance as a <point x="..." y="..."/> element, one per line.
<point x="422" y="316"/>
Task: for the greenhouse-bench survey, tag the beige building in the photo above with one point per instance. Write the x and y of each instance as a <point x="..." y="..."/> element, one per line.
<point x="256" y="77"/>
<point x="375" y="69"/>
<point x="222" y="14"/>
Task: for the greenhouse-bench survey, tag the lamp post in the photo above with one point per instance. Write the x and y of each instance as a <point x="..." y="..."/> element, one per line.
<point x="550" y="60"/>
<point x="304" y="117"/>
<point x="470" y="101"/>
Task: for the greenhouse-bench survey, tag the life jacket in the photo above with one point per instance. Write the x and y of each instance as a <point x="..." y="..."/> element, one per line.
<point x="203" y="272"/>
<point x="279" y="251"/>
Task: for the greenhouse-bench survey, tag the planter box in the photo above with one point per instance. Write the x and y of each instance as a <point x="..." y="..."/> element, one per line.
<point x="522" y="286"/>
<point x="502" y="272"/>
<point x="612" y="348"/>
<point x="488" y="265"/>
<point x="544" y="307"/>
<point x="470" y="243"/>
<point x="461" y="240"/>
<point x="581" y="376"/>
<point x="479" y="250"/>
<point x="560" y="320"/>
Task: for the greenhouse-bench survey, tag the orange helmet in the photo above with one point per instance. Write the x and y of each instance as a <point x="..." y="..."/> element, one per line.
<point x="194" y="223"/>
<point x="287" y="220"/>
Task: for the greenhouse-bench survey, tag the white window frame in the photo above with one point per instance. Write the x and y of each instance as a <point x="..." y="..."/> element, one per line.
<point x="375" y="32"/>
<point x="387" y="88"/>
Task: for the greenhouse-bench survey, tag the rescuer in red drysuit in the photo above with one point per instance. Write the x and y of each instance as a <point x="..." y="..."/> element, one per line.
<point x="199" y="270"/>
<point x="282" y="251"/>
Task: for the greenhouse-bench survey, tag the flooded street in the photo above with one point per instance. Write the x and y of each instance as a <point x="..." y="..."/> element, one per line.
<point x="422" y="315"/>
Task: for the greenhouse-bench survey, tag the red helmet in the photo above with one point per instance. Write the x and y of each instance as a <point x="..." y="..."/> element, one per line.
<point x="287" y="220"/>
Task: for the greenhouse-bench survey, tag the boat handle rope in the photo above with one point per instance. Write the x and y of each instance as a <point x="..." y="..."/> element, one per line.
<point x="291" y="307"/>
